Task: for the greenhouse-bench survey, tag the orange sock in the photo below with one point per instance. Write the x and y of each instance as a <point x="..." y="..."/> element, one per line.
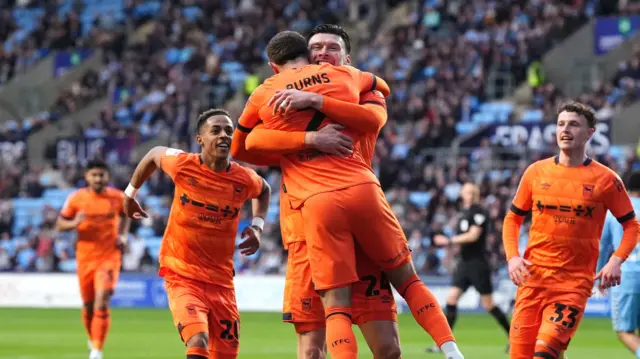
<point x="87" y="317"/>
<point x="341" y="342"/>
<point x="426" y="310"/>
<point x="100" y="327"/>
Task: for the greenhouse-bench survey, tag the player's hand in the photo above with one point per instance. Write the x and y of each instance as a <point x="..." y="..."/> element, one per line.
<point x="330" y="140"/>
<point x="123" y="243"/>
<point x="285" y="101"/>
<point x="251" y="243"/>
<point x="518" y="271"/>
<point x="441" y="240"/>
<point x="80" y="216"/>
<point x="133" y="209"/>
<point x="610" y="275"/>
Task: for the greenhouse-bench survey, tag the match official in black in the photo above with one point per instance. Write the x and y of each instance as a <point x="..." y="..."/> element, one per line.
<point x="472" y="267"/>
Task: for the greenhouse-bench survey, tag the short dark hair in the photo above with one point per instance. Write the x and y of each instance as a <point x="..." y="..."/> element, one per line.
<point x="332" y="29"/>
<point x="203" y="117"/>
<point x="287" y="46"/>
<point x="97" y="163"/>
<point x="633" y="185"/>
<point x="581" y="109"/>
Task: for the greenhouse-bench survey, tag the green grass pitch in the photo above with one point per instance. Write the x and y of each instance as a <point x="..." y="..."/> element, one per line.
<point x="137" y="333"/>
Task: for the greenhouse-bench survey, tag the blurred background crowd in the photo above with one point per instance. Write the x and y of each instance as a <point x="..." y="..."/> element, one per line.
<point x="451" y="65"/>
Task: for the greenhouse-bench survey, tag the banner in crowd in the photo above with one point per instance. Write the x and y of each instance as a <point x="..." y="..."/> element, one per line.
<point x="12" y="151"/>
<point x="70" y="150"/>
<point x="539" y="136"/>
<point x="610" y="32"/>
<point x="64" y="60"/>
<point x="253" y="293"/>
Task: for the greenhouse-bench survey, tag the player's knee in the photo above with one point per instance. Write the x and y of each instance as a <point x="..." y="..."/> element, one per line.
<point x="546" y="350"/>
<point x="102" y="300"/>
<point x="336" y="297"/>
<point x="487" y="303"/>
<point x="198" y="340"/>
<point x="88" y="307"/>
<point x="387" y="350"/>
<point x="400" y="275"/>
<point x="313" y="352"/>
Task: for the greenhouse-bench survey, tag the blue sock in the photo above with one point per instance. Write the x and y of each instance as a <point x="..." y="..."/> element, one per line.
<point x="638" y="353"/>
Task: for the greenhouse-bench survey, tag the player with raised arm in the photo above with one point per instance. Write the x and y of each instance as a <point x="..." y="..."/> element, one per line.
<point x="196" y="256"/>
<point x="625" y="299"/>
<point x="569" y="196"/>
<point x="97" y="215"/>
<point x="473" y="268"/>
<point x="374" y="309"/>
<point x="340" y="197"/>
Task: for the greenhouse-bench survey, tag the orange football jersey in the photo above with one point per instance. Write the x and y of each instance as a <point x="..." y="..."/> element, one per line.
<point x="569" y="206"/>
<point x="98" y="233"/>
<point x="200" y="238"/>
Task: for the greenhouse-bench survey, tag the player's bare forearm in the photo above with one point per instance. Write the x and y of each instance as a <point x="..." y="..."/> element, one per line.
<point x="65" y="225"/>
<point x="125" y="224"/>
<point x="260" y="205"/>
<point x="149" y="163"/>
<point x="275" y="142"/>
<point x="629" y="239"/>
<point x="511" y="233"/>
<point x="364" y="118"/>
<point x="239" y="152"/>
<point x="469" y="237"/>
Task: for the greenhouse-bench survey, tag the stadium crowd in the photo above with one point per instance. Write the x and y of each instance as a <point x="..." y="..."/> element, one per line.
<point x="436" y="64"/>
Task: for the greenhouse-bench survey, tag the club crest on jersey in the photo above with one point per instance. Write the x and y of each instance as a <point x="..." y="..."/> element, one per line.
<point x="545" y="185"/>
<point x="238" y="190"/>
<point x="306" y="304"/>
<point x="192" y="181"/>
<point x="587" y="190"/>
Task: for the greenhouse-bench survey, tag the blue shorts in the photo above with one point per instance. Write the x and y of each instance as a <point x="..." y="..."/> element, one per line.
<point x="625" y="311"/>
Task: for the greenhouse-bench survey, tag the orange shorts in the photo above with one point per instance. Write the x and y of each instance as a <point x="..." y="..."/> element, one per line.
<point x="199" y="307"/>
<point x="541" y="314"/>
<point x="97" y="276"/>
<point x="333" y="219"/>
<point x="372" y="299"/>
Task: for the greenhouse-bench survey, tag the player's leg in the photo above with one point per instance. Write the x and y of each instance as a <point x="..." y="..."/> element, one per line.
<point x="480" y="276"/>
<point x="560" y="320"/>
<point x="224" y="322"/>
<point x="380" y="235"/>
<point x="382" y="338"/>
<point x="106" y="278"/>
<point x="302" y="306"/>
<point x="333" y="267"/>
<point x="189" y="310"/>
<point x="374" y="309"/>
<point x="87" y="292"/>
<point x="460" y="283"/>
<point x="625" y="312"/>
<point x="525" y="323"/>
<point x="311" y="340"/>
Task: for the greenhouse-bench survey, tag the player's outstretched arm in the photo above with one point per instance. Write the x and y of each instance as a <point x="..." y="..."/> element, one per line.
<point x="240" y="152"/>
<point x="149" y="163"/>
<point x="329" y="140"/>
